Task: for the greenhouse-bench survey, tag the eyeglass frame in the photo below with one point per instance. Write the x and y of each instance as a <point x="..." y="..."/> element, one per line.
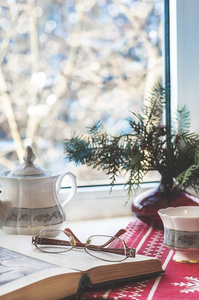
<point x="75" y="242"/>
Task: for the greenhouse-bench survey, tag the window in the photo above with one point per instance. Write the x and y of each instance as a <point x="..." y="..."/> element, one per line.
<point x="66" y="64"/>
<point x="36" y="36"/>
<point x="183" y="63"/>
<point x="184" y="57"/>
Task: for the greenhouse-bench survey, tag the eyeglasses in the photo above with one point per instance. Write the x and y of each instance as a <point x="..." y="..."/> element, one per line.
<point x="107" y="248"/>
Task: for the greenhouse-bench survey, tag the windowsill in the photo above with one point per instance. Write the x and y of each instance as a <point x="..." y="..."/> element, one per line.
<point x="99" y="203"/>
<point x="108" y="226"/>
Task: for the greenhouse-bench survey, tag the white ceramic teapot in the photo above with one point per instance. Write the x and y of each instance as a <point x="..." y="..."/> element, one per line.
<point x="30" y="196"/>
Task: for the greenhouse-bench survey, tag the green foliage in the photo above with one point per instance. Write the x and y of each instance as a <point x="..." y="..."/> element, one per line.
<point x="181" y="120"/>
<point x="174" y="152"/>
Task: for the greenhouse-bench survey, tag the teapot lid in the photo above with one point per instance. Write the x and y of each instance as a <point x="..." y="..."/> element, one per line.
<point x="28" y="168"/>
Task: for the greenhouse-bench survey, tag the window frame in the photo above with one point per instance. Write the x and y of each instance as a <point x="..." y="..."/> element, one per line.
<point x="184" y="60"/>
<point x="97" y="201"/>
<point x="167" y="75"/>
<point x="178" y="15"/>
<point x="179" y="49"/>
<point x="100" y="201"/>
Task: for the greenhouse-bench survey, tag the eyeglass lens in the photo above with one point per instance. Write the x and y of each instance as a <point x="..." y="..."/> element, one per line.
<point x="54" y="241"/>
<point x="106" y="248"/>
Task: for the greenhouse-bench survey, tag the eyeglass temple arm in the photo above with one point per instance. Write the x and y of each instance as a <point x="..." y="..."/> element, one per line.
<point x="80" y="244"/>
<point x="66" y="230"/>
<point x="49" y="241"/>
<point x="118" y="234"/>
<point x="129" y="252"/>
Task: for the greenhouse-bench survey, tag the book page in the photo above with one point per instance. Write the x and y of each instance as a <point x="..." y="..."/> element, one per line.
<point x="22" y="263"/>
<point x="18" y="270"/>
<point x="76" y="259"/>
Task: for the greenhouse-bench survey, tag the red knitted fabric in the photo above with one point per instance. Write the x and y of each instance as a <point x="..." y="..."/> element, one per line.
<point x="180" y="281"/>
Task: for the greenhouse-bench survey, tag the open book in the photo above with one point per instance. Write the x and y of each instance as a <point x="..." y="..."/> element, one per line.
<point x="27" y="273"/>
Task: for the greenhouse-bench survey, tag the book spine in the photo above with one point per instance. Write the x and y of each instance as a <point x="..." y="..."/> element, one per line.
<point x="84" y="283"/>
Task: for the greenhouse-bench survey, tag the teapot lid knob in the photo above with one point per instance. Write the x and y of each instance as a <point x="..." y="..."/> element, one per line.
<point x="28" y="168"/>
<point x="29" y="155"/>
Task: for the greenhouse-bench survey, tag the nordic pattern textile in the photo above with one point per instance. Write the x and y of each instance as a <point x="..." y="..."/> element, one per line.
<point x="180" y="281"/>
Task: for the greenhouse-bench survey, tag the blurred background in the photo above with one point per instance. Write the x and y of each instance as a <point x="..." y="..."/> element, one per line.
<point x="68" y="63"/>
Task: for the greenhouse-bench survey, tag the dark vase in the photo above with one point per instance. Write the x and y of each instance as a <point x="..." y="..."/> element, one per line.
<point x="147" y="204"/>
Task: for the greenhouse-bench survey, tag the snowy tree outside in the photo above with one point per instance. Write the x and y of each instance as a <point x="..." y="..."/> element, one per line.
<point x="68" y="63"/>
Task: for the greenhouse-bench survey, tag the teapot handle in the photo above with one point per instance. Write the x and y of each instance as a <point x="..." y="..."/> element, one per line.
<point x="73" y="186"/>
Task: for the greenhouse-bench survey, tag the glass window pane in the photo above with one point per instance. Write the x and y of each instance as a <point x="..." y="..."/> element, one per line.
<point x="68" y="63"/>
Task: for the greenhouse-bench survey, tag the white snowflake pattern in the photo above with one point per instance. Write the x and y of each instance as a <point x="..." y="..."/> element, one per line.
<point x="191" y="285"/>
<point x="130" y="293"/>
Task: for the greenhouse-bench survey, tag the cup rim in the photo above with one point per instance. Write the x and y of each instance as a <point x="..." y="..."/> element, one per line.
<point x="180" y="214"/>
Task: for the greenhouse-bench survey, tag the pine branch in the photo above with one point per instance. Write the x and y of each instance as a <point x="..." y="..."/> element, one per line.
<point x="182" y="179"/>
<point x="190" y="139"/>
<point x="190" y="176"/>
<point x="182" y="120"/>
<point x="149" y="146"/>
<point x="153" y="111"/>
